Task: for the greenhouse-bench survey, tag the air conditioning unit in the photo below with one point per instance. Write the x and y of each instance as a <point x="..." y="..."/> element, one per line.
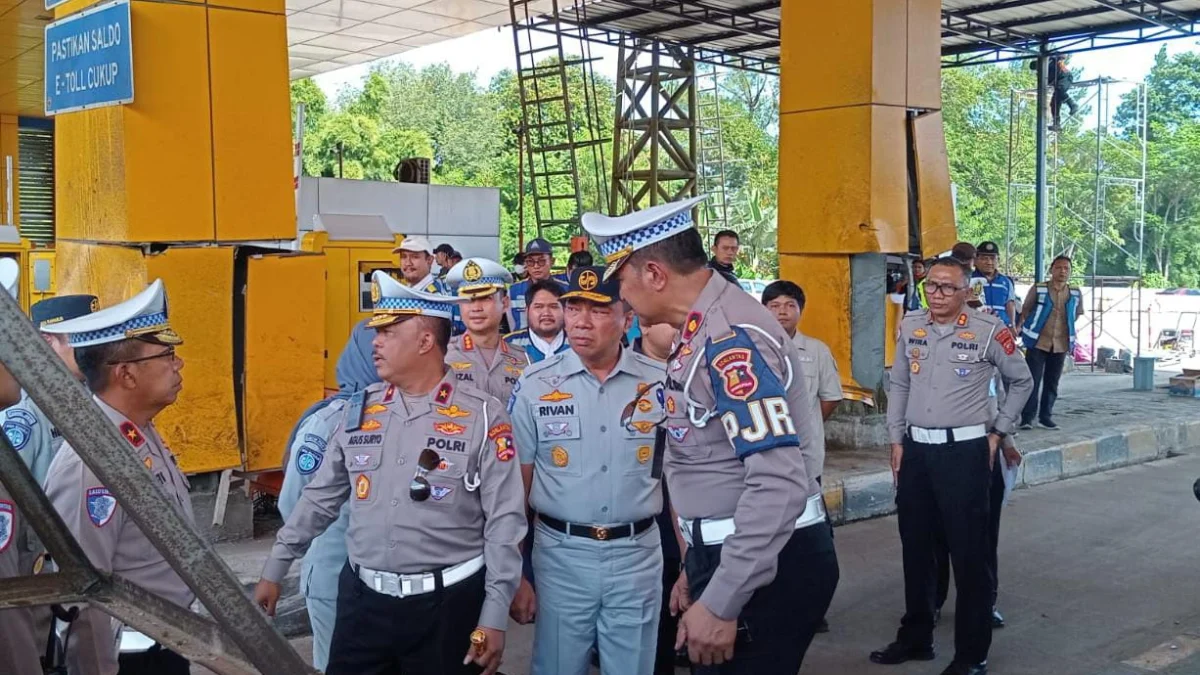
<point x="413" y="170"/>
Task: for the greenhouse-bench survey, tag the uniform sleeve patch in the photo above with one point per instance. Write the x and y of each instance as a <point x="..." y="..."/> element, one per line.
<point x="308" y="459"/>
<point x="501" y="434"/>
<point x="101" y="505"/>
<point x="8" y="523"/>
<point x="751" y="399"/>
<point x="1005" y="338"/>
<point x="18" y="434"/>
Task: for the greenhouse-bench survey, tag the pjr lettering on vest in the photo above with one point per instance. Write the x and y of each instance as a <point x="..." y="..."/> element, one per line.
<point x="556" y="410"/>
<point x="768" y="416"/>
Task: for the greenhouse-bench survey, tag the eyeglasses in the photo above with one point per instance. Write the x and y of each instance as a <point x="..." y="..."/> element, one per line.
<point x="537" y="260"/>
<point x="942" y="289"/>
<point x="632" y="408"/>
<point x="419" y="489"/>
<point x="170" y="353"/>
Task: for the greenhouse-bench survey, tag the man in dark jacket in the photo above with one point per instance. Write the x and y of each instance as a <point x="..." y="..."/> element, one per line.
<point x="724" y="252"/>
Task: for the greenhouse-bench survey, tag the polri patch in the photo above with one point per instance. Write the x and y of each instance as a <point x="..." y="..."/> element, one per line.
<point x="8" y="523"/>
<point x="101" y="505"/>
<point x="737" y="371"/>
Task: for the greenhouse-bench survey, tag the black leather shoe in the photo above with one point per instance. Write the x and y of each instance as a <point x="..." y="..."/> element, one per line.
<point x="823" y="627"/>
<point x="997" y="619"/>
<point x="937" y="616"/>
<point x="956" y="668"/>
<point x="899" y="653"/>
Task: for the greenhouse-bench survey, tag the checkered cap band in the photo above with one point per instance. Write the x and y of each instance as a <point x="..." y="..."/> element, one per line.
<point x="623" y="244"/>
<point x="141" y="324"/>
<point x="413" y="306"/>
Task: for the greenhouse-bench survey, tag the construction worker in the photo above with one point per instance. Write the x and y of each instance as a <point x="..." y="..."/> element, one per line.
<point x="126" y="354"/>
<point x="585" y="424"/>
<point x="23" y="632"/>
<point x="740" y="443"/>
<point x="306" y="452"/>
<point x="538" y="260"/>
<point x="479" y="356"/>
<point x="1047" y="328"/>
<point x="436" y="507"/>
<point x="544" y="337"/>
<point x="944" y="441"/>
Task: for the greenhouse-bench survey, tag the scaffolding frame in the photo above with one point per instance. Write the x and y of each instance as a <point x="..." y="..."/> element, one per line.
<point x="1104" y="183"/>
<point x="656" y="104"/>
<point x="239" y="642"/>
<point x="710" y="164"/>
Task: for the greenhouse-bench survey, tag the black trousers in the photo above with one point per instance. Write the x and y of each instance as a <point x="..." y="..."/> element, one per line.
<point x="942" y="552"/>
<point x="428" y="634"/>
<point x="778" y="623"/>
<point x="157" y="660"/>
<point x="1046" y="369"/>
<point x="946" y="487"/>
<point x="1058" y="97"/>
<point x="664" y="657"/>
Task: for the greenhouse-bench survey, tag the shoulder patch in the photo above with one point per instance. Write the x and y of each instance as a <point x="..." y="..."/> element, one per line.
<point x="18" y="433"/>
<point x="101" y="505"/>
<point x="21" y="415"/>
<point x="1005" y="338"/>
<point x="8" y="523"/>
<point x="309" y="459"/>
<point x="750" y="398"/>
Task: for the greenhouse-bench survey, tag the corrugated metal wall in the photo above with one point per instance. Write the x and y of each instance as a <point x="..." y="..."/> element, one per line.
<point x="36" y="147"/>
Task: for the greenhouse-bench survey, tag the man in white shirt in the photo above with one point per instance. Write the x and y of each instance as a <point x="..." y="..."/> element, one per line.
<point x="785" y="300"/>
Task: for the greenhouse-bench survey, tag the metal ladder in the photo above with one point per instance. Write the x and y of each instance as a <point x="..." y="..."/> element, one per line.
<point x="710" y="167"/>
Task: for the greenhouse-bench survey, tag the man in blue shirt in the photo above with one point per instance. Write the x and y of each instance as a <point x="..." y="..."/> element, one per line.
<point x="539" y="258"/>
<point x="996" y="292"/>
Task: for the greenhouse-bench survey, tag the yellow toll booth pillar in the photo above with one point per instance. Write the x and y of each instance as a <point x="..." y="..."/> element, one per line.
<point x="857" y="75"/>
<point x="164" y="187"/>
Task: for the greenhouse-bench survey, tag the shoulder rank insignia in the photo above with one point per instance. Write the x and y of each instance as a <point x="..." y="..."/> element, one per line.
<point x="692" y="325"/>
<point x="442" y="397"/>
<point x="131" y="434"/>
<point x="962" y="320"/>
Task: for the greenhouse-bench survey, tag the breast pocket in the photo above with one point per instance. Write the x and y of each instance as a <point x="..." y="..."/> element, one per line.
<point x="683" y="438"/>
<point x="966" y="355"/>
<point x="363" y="466"/>
<point x="637" y="453"/>
<point x="559" y="447"/>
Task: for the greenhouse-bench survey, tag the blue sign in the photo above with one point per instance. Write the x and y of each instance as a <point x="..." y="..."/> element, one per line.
<point x="89" y="59"/>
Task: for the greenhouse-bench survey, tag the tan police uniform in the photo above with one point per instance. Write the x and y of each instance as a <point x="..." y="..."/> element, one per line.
<point x="109" y="536"/>
<point x="477" y="278"/>
<point x="20" y="641"/>
<point x="940" y="409"/>
<point x="740" y="444"/>
<point x="422" y="572"/>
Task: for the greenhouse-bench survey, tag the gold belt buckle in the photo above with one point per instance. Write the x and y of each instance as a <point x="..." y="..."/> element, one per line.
<point x="600" y="533"/>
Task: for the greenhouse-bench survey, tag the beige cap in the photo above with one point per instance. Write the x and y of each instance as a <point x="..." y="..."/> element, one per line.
<point x="415" y="243"/>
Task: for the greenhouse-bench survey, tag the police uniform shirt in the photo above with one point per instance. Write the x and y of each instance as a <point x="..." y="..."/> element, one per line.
<point x="470" y="366"/>
<point x="952" y="372"/>
<point x="37" y="441"/>
<point x="324" y="560"/>
<point x="372" y="467"/>
<point x="750" y="459"/>
<point x="111" y="539"/>
<point x="824" y="384"/>
<point x="20" y="642"/>
<point x="588" y="467"/>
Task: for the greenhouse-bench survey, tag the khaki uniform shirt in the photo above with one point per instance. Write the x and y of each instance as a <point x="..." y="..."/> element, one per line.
<point x="589" y="467"/>
<point x="112" y="541"/>
<point x="21" y="640"/>
<point x="943" y="381"/>
<point x="470" y="366"/>
<point x="824" y="384"/>
<point x="750" y="459"/>
<point x="373" y="465"/>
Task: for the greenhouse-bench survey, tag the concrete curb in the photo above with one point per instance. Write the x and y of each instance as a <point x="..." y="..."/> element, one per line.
<point x="870" y="495"/>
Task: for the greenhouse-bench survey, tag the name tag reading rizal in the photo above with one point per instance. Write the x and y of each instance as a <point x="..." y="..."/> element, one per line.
<point x="89" y="59"/>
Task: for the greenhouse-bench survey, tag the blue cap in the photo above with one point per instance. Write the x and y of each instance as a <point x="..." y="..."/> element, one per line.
<point x="62" y="308"/>
<point x="539" y="245"/>
<point x="588" y="283"/>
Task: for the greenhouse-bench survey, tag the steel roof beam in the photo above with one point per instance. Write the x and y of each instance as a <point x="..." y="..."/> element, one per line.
<point x="706" y="15"/>
<point x="967" y="26"/>
<point x="709" y="37"/>
<point x="1151" y="12"/>
<point x="770" y="44"/>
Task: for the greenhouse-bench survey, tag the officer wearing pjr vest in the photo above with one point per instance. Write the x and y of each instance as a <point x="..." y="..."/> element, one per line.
<point x="760" y="565"/>
<point x="126" y="354"/>
<point x="436" y="507"/>
<point x="944" y="442"/>
<point x="585" y="422"/>
<point x="480" y="357"/>
<point x="23" y="632"/>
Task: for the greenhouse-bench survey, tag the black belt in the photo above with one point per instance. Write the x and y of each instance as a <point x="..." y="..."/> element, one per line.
<point x="595" y="532"/>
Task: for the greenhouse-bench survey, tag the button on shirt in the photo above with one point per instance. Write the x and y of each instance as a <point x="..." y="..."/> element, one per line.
<point x="588" y="468"/>
<point x="951" y="367"/>
<point x="372" y="467"/>
<point x="470" y="366"/>
<point x="764" y="490"/>
<point x="824" y="384"/>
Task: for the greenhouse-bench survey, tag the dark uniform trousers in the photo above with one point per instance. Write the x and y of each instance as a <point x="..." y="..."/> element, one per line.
<point x="996" y="499"/>
<point x="157" y="660"/>
<point x="777" y="625"/>
<point x="427" y="634"/>
<point x="946" y="487"/>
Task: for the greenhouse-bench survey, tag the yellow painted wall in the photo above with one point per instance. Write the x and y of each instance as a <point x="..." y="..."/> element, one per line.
<point x="284" y="347"/>
<point x="924" y="70"/>
<point x="938" y="228"/>
<point x="842" y="181"/>
<point x="110" y="272"/>
<point x="826" y="283"/>
<point x="202" y="425"/>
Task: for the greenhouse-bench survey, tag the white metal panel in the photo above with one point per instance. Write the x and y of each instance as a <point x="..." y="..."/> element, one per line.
<point x="307" y="209"/>
<point x="404" y="206"/>
<point x="486" y="247"/>
<point x="464" y="211"/>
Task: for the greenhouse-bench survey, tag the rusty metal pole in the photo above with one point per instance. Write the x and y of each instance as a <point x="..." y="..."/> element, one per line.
<point x="70" y="407"/>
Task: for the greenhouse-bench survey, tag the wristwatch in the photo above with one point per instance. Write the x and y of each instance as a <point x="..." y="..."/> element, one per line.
<point x="997" y="432"/>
